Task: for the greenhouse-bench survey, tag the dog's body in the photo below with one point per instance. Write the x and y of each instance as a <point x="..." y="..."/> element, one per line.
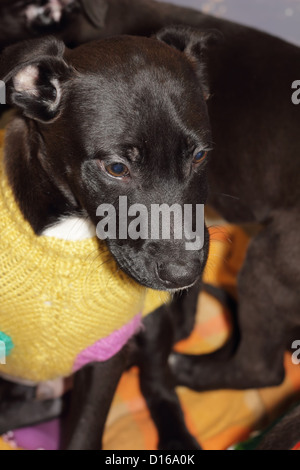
<point x="105" y="93"/>
<point x="254" y="176"/>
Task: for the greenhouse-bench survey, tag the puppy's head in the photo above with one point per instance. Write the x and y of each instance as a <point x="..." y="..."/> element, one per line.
<point x="123" y="117"/>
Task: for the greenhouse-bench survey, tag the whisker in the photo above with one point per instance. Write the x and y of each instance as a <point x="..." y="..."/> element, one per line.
<point x="226" y="195"/>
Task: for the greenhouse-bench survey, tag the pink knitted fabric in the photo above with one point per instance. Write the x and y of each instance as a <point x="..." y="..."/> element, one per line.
<point x="106" y="348"/>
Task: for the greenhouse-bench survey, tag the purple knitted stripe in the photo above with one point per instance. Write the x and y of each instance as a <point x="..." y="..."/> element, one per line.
<point x="108" y="347"/>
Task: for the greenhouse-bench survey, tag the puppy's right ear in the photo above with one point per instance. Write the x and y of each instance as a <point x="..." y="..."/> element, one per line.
<point x="193" y="43"/>
<point x="35" y="73"/>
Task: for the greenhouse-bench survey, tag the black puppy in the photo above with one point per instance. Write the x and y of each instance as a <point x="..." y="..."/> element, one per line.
<point x="88" y="131"/>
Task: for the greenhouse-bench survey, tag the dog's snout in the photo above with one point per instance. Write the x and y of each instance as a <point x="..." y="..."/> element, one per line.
<point x="178" y="275"/>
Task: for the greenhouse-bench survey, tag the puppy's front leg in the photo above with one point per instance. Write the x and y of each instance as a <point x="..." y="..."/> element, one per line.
<point x="157" y="383"/>
<point x="91" y="399"/>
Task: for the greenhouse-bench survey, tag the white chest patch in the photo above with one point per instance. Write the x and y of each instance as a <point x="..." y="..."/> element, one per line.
<point x="71" y="229"/>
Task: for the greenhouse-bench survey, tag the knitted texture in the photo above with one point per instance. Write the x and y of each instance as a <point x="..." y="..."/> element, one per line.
<point x="57" y="297"/>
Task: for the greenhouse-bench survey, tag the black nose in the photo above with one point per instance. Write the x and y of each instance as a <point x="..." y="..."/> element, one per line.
<point x="179" y="275"/>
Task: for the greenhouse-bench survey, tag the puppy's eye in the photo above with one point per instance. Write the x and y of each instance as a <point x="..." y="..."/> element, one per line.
<point x="200" y="157"/>
<point x="117" y="170"/>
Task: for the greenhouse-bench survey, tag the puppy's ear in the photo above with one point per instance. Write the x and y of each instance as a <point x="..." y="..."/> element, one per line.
<point x="194" y="44"/>
<point x="96" y="11"/>
<point x="35" y="73"/>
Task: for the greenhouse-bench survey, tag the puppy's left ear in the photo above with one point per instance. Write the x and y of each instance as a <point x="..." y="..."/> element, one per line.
<point x="194" y="44"/>
<point x="35" y="73"/>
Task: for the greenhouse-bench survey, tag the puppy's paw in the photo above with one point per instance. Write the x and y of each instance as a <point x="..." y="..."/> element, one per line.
<point x="180" y="366"/>
<point x="47" y="13"/>
<point x="177" y="365"/>
<point x="173" y="359"/>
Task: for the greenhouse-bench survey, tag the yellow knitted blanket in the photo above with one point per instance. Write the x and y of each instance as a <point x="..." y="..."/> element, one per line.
<point x="58" y="298"/>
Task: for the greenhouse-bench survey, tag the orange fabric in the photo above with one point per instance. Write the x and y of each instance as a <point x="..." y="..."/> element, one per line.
<point x="218" y="419"/>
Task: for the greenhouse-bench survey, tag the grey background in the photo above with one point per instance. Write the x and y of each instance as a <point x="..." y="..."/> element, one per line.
<point x="279" y="17"/>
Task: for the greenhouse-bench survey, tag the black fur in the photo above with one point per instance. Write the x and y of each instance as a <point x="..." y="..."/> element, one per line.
<point x="285" y="435"/>
<point x="253" y="176"/>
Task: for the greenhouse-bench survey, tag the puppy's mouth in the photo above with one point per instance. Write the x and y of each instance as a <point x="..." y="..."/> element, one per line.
<point x="182" y="289"/>
<point x="167" y="276"/>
